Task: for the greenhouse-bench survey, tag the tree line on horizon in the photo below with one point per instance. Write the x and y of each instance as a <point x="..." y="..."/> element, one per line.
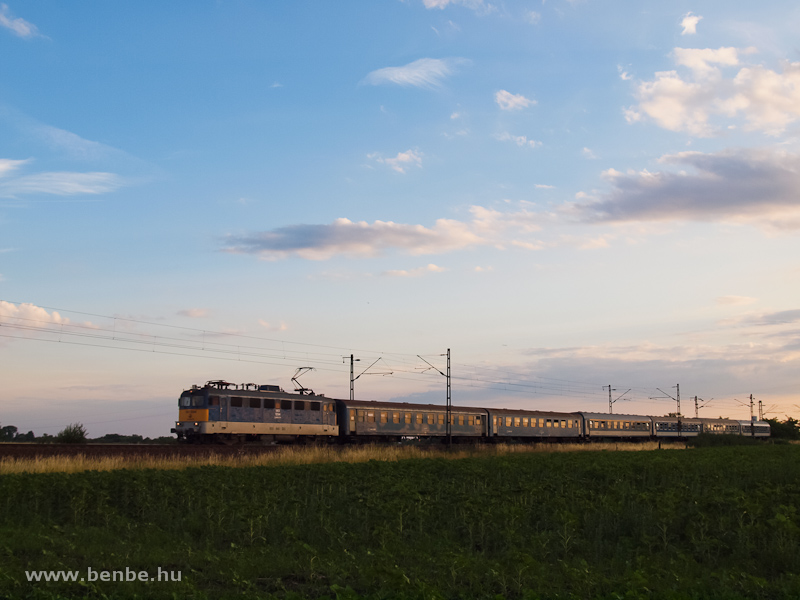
<point x="75" y="433"/>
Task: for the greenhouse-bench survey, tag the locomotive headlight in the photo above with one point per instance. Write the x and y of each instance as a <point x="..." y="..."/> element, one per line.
<point x="196" y="424"/>
<point x="177" y="424"/>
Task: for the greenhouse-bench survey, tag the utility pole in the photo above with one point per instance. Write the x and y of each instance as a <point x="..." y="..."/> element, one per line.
<point x="760" y="410"/>
<point x="678" y="400"/>
<point x="449" y="410"/>
<point x="752" y="421"/>
<point x="610" y="403"/>
<point x="449" y="405"/>
<point x="696" y="412"/>
<point x="352" y="379"/>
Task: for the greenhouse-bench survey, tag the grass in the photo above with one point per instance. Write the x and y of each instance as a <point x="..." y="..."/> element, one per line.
<point x="520" y="524"/>
<point x="301" y="455"/>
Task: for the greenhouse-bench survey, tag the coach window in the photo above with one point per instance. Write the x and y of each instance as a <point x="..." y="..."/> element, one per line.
<point x="517" y="421"/>
<point x="408" y="418"/>
<point x="431" y="418"/>
<point x="471" y="420"/>
<point x="477" y="419"/>
<point x="395" y="417"/>
<point x="419" y="418"/>
<point x="384" y="416"/>
<point x="549" y="423"/>
<point x="255" y="402"/>
<point x="236" y="401"/>
<point x="361" y="416"/>
<point x="440" y="419"/>
<point x="508" y="421"/>
<point x="370" y="417"/>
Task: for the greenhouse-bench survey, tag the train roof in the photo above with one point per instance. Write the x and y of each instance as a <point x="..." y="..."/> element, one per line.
<point x="538" y="413"/>
<point x="407" y="406"/>
<point x="614" y="416"/>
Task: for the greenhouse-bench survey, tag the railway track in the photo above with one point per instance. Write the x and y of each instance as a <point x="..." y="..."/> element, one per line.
<point x="33" y="450"/>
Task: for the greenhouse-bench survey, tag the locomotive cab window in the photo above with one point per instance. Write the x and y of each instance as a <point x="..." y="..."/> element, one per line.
<point x="299" y="405"/>
<point x="315" y="406"/>
<point x="286" y="405"/>
<point x="213" y="400"/>
<point x="236" y="401"/>
<point x="269" y="403"/>
<point x="255" y="402"/>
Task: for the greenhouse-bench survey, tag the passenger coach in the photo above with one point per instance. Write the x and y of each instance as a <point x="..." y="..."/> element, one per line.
<point x="531" y="424"/>
<point x="365" y="421"/>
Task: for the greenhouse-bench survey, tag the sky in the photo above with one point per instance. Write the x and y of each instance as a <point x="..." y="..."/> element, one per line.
<point x="567" y="194"/>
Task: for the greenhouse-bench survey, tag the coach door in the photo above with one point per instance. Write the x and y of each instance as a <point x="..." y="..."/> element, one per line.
<point x="224" y="401"/>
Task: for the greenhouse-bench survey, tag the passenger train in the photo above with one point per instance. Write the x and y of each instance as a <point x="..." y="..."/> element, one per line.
<point x="234" y="413"/>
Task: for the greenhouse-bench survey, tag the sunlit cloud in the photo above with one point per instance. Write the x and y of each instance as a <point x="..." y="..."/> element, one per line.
<point x="768" y="101"/>
<point x="281" y="326"/>
<point x="520" y="140"/>
<point x="508" y="101"/>
<point x="689" y="23"/>
<point x="422" y="73"/>
<point x="418" y="272"/>
<point x="488" y="227"/>
<point x="754" y="186"/>
<point x="18" y="26"/>
<point x="735" y="300"/>
<point x="401" y="162"/>
<point x="194" y="313"/>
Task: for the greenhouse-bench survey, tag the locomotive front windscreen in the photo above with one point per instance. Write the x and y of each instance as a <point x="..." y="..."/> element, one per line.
<point x="192" y="400"/>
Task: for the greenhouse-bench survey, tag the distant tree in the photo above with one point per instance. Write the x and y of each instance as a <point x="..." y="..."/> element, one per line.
<point x="25" y="437"/>
<point x="164" y="439"/>
<point x="46" y="438"/>
<point x="72" y="434"/>
<point x="788" y="429"/>
<point x="7" y="433"/>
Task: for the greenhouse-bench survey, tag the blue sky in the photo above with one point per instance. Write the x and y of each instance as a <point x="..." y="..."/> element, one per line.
<point x="565" y="193"/>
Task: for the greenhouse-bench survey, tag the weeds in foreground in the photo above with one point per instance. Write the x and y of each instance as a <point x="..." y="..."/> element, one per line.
<point x="301" y="455"/>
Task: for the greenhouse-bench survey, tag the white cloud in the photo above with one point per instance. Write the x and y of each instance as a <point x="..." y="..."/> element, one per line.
<point x="423" y="73"/>
<point x="272" y="327"/>
<point x="689" y="23"/>
<point x="544" y="186"/>
<point x="60" y="184"/>
<point x="767" y="100"/>
<point x="587" y="153"/>
<point x="194" y="313"/>
<point x="344" y="237"/>
<point x="7" y="165"/>
<point x="30" y="313"/>
<point x="476" y="5"/>
<point x="757" y="186"/>
<point x="532" y="17"/>
<point x="419" y="271"/>
<point x="519" y="140"/>
<point x="401" y="162"/>
<point x="508" y="101"/>
<point x="19" y="26"/>
<point x="623" y="74"/>
<point x="735" y="300"/>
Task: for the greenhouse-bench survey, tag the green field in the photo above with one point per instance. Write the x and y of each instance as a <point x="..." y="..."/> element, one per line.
<point x="700" y="523"/>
